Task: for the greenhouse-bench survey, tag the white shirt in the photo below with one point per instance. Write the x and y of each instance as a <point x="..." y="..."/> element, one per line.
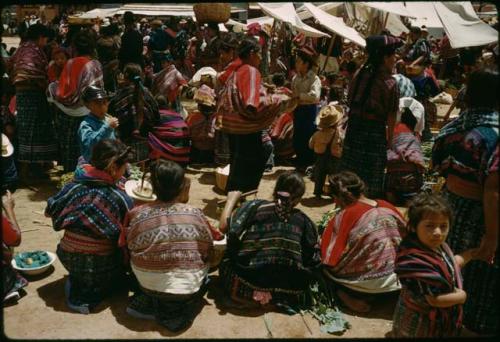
<point x="308" y="88"/>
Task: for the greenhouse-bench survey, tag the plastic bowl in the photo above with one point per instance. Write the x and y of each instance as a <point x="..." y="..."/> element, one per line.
<point x="35" y="270"/>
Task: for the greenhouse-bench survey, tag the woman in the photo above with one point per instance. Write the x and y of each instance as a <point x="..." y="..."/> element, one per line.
<point x="373" y="102"/>
<point x="358" y="246"/>
<point x="170" y="139"/>
<point x="244" y="109"/>
<point x="36" y="135"/>
<point x="405" y="161"/>
<point x="272" y="247"/>
<point x="466" y="153"/>
<point x="91" y="211"/>
<point x="11" y="237"/>
<point x="169" y="82"/>
<point x="171" y="264"/>
<point x="79" y="73"/>
<point x="306" y="87"/>
<point x="136" y="110"/>
<point x="56" y="65"/>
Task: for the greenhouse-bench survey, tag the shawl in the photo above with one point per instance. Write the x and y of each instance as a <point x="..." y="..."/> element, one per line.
<point x="167" y="83"/>
<point x="90" y="205"/>
<point x="470" y="119"/>
<point x="29" y="64"/>
<point x="405" y="146"/>
<point x="330" y="255"/>
<point x="416" y="262"/>
<point x="122" y="107"/>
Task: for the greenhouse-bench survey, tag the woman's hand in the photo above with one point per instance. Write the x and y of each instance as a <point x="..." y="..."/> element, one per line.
<point x="8" y="201"/>
<point x="487" y="249"/>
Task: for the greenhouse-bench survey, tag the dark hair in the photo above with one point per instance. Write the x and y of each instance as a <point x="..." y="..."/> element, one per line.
<point x="247" y="46"/>
<point x="292" y="183"/>
<point x="424" y="204"/>
<point x="347" y="186"/>
<point x="36" y="31"/>
<point x="481" y="89"/>
<point x="306" y="58"/>
<point x="279" y="79"/>
<point x="408" y="118"/>
<point x="162" y="101"/>
<point x="84" y="42"/>
<point x="351" y="67"/>
<point x="167" y="179"/>
<point x="128" y="18"/>
<point x="213" y="26"/>
<point x="109" y="151"/>
<point x="229" y="42"/>
<point x="133" y="73"/>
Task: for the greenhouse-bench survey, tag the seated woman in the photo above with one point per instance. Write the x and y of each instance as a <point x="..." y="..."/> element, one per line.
<point x="272" y="247"/>
<point x="91" y="210"/>
<point x="136" y="110"/>
<point x="169" y="82"/>
<point x="11" y="237"/>
<point x="169" y="244"/>
<point x="405" y="161"/>
<point x="170" y="139"/>
<point x="358" y="246"/>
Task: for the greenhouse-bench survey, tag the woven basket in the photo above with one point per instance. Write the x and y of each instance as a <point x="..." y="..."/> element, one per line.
<point x="212" y="12"/>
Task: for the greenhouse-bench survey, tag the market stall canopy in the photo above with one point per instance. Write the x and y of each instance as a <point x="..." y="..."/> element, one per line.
<point x="328" y="7"/>
<point x="179" y="10"/>
<point x="335" y="24"/>
<point x="426" y="14"/>
<point x="285" y="12"/>
<point x="463" y="26"/>
<point x="261" y="21"/>
<point x="99" y="13"/>
<point x="397" y="8"/>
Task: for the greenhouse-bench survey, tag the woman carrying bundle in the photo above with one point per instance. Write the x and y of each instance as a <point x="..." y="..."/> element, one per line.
<point x="136" y="110"/>
<point x="272" y="247"/>
<point x="91" y="210"/>
<point x="169" y="82"/>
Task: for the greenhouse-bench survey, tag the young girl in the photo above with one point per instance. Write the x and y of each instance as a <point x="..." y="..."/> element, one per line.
<point x="431" y="299"/>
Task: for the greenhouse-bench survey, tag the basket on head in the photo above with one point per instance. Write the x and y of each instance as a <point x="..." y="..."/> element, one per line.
<point x="212" y="12"/>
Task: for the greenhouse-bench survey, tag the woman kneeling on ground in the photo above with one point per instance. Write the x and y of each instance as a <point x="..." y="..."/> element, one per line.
<point x="272" y="248"/>
<point x="358" y="246"/>
<point x="91" y="210"/>
<point x="169" y="244"/>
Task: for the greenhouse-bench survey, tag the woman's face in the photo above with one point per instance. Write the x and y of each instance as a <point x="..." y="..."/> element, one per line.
<point x="226" y="56"/>
<point x="433" y="229"/>
<point x="300" y="66"/>
<point x="60" y="59"/>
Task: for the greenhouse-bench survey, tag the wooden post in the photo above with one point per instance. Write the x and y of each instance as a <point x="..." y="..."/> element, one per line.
<point x="330" y="47"/>
<point x="385" y="20"/>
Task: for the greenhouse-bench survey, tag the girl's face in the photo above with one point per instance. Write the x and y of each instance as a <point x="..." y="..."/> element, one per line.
<point x="117" y="172"/>
<point x="255" y="58"/>
<point x="433" y="229"/>
<point x="390" y="62"/>
<point x="60" y="59"/>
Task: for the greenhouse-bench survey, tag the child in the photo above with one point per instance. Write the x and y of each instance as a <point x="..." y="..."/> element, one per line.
<point x="326" y="144"/>
<point x="96" y="125"/>
<point x="56" y="66"/>
<point x="200" y="123"/>
<point x="431" y="299"/>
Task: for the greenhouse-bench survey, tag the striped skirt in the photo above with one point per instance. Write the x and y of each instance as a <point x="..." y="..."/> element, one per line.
<point x="67" y="137"/>
<point x="365" y="153"/>
<point x="37" y="143"/>
<point x="481" y="280"/>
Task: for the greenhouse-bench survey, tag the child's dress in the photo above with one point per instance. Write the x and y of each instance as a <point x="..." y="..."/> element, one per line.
<point x="422" y="272"/>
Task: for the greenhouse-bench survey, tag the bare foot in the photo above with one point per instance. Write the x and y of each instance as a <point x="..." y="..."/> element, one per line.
<point x="354" y="304"/>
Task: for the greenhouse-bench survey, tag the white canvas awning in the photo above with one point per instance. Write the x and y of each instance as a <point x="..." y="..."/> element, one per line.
<point x="261" y="21"/>
<point x="285" y="12"/>
<point x="397" y="8"/>
<point x="335" y="24"/>
<point x="99" y="13"/>
<point x="328" y="7"/>
<point x="179" y="10"/>
<point x="463" y="26"/>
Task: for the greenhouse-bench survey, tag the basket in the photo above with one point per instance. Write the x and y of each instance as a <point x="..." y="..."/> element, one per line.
<point x="80" y="21"/>
<point x="221" y="176"/>
<point x="452" y="91"/>
<point x="212" y="12"/>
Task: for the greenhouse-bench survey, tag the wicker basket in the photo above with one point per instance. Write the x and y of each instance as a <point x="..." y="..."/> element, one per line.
<point x="212" y="12"/>
<point x="80" y="21"/>
<point x="221" y="176"/>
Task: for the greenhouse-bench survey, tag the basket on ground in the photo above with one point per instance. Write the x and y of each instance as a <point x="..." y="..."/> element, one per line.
<point x="212" y="12"/>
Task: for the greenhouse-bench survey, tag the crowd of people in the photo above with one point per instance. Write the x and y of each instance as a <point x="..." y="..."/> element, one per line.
<point x="93" y="100"/>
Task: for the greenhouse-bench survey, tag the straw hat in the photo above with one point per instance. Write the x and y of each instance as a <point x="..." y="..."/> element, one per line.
<point x="157" y="23"/>
<point x="329" y="116"/>
<point x="7" y="148"/>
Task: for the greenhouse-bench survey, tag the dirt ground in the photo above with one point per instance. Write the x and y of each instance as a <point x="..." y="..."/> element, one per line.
<point x="42" y="313"/>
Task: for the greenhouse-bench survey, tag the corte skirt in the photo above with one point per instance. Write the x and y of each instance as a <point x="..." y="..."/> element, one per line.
<point x="35" y="128"/>
<point x="67" y="137"/>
